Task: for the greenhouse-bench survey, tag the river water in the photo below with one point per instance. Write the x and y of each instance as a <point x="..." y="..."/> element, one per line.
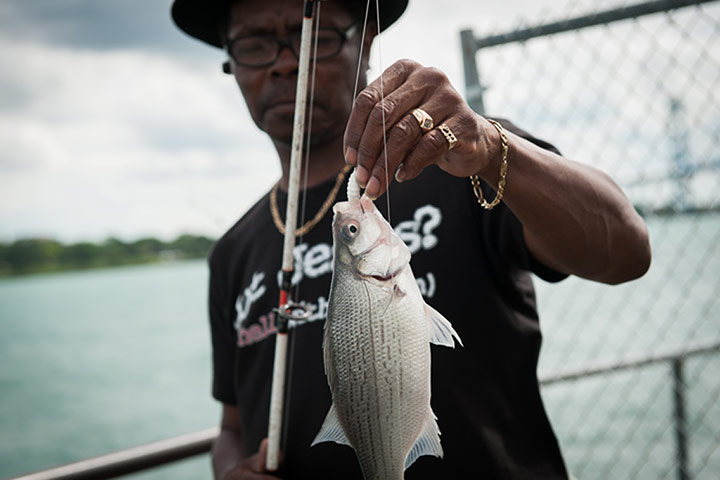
<point x="96" y="361"/>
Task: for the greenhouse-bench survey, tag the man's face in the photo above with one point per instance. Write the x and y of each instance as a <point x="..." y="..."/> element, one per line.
<point x="269" y="91"/>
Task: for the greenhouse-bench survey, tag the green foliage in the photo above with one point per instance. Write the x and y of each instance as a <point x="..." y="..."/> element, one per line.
<point x="21" y="256"/>
<point x="34" y="255"/>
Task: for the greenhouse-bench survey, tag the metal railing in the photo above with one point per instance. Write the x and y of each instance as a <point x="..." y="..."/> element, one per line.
<point x="677" y="361"/>
<point x="178" y="448"/>
<point x="132" y="460"/>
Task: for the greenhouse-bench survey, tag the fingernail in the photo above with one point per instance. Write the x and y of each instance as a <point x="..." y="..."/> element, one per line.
<point x="373" y="188"/>
<point x="400" y="174"/>
<point x="362" y="176"/>
<point x="350" y="156"/>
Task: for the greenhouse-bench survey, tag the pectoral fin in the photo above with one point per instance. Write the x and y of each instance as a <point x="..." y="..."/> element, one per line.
<point x="331" y="430"/>
<point x="441" y="331"/>
<point x="428" y="443"/>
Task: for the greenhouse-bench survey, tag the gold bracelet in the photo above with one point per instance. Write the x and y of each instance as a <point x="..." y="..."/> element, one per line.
<point x="475" y="180"/>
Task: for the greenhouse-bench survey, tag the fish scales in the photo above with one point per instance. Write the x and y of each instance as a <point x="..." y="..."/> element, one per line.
<point x="376" y="347"/>
<point x="375" y="384"/>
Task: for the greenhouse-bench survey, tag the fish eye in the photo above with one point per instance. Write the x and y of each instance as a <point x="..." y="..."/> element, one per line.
<point x="350" y="231"/>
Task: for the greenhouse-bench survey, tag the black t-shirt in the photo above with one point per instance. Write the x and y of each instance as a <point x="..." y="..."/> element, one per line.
<point x="471" y="265"/>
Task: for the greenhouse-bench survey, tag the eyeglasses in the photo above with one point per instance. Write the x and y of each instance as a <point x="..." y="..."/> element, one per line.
<point x="264" y="50"/>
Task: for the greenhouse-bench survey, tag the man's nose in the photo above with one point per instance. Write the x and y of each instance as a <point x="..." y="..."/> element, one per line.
<point x="286" y="63"/>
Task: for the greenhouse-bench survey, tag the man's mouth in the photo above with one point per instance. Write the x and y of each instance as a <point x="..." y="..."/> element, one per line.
<point x="283" y="107"/>
<point x="287" y="107"/>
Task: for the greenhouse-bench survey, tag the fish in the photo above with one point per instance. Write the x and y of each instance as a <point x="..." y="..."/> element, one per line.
<point x="376" y="347"/>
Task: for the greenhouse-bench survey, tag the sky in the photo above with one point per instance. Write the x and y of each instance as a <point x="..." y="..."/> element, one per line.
<point x="113" y="123"/>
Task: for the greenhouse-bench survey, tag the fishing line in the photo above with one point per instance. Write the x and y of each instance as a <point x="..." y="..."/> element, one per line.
<point x="353" y="188"/>
<point x="382" y="110"/>
<point x="362" y="46"/>
<point x="382" y="100"/>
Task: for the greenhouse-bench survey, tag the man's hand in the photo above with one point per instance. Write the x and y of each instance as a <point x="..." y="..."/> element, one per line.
<point x="575" y="218"/>
<point x="252" y="468"/>
<point x="387" y="110"/>
<point x="230" y="461"/>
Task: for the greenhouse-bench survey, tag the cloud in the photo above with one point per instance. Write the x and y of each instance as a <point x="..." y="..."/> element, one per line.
<point x="137" y="94"/>
<point x="112" y="141"/>
<point x="112" y="121"/>
<point x="95" y="24"/>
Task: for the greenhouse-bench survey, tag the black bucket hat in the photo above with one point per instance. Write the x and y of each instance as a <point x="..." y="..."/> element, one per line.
<point x="202" y="18"/>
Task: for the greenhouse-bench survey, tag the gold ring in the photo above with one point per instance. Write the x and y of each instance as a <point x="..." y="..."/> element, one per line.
<point x="449" y="136"/>
<point x="424" y="119"/>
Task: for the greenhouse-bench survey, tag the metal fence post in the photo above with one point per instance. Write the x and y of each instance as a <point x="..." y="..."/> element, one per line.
<point x="680" y="419"/>
<point x="473" y="88"/>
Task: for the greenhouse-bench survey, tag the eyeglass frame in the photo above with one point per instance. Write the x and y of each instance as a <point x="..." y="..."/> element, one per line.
<point x="287" y="42"/>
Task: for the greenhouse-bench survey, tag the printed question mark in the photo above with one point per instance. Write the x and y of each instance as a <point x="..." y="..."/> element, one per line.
<point x="435" y="218"/>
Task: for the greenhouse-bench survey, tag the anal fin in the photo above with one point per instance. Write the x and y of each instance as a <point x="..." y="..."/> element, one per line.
<point x="331" y="430"/>
<point x="428" y="443"/>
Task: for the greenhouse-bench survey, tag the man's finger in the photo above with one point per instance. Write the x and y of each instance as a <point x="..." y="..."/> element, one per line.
<point x="367" y="101"/>
<point x="400" y="141"/>
<point x="431" y="149"/>
<point x="257" y="464"/>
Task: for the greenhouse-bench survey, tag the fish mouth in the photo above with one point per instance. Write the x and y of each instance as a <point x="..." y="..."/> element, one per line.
<point x="381" y="278"/>
<point x="384" y="278"/>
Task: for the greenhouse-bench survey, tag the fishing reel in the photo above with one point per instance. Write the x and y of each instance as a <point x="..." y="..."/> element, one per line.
<point x="291" y="311"/>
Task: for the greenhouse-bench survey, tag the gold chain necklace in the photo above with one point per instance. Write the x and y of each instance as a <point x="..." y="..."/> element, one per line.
<point x="300" y="231"/>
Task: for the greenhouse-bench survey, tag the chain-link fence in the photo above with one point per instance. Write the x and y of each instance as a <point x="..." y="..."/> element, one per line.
<point x="631" y="374"/>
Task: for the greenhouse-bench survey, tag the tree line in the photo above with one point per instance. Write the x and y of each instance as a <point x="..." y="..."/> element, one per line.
<point x="36" y="255"/>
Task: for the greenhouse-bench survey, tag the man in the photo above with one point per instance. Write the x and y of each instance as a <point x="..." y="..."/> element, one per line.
<point x="555" y="218"/>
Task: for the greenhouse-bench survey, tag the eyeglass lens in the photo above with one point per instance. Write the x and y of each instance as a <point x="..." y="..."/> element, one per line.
<point x="264" y="49"/>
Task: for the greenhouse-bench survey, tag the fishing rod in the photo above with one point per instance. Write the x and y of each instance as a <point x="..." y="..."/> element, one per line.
<point x="287" y="310"/>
